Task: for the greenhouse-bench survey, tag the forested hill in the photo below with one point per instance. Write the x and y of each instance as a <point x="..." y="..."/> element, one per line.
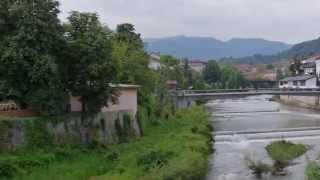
<point x="209" y="48"/>
<point x="300" y="50"/>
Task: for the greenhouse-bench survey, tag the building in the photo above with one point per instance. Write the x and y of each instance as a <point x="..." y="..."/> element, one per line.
<point x="154" y="61"/>
<point x="172" y="84"/>
<point x="197" y="65"/>
<point x="302" y="82"/>
<point x="127" y="100"/>
<point x="307" y="77"/>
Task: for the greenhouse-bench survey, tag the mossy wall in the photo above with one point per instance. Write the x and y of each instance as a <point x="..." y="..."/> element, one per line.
<point x="70" y="130"/>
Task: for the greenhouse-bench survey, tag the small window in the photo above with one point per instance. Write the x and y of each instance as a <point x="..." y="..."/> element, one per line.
<point x="303" y="83"/>
<point x="295" y="83"/>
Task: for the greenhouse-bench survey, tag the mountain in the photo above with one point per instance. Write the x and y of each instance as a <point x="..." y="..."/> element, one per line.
<point x="300" y="51"/>
<point x="303" y="49"/>
<point x="208" y="48"/>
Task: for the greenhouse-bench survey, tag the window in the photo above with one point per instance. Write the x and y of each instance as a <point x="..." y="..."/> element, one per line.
<point x="295" y="83"/>
<point x="303" y="83"/>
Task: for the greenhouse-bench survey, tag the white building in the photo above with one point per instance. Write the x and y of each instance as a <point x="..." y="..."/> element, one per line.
<point x="309" y="78"/>
<point x="154" y="61"/>
<point x="301" y="82"/>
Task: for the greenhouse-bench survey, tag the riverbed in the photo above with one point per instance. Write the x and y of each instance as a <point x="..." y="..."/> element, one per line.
<point x="244" y="126"/>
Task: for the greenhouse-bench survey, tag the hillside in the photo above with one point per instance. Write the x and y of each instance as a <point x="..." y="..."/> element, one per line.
<point x="306" y="48"/>
<point x="208" y="48"/>
<point x="300" y="51"/>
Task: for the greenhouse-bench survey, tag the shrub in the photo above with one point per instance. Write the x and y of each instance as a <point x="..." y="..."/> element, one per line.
<point x="8" y="169"/>
<point x="283" y="152"/>
<point x="154" y="159"/>
<point x="193" y="167"/>
<point x="258" y="168"/>
<point x="113" y="156"/>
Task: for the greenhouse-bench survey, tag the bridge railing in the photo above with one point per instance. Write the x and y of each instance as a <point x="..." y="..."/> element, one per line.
<point x="183" y="92"/>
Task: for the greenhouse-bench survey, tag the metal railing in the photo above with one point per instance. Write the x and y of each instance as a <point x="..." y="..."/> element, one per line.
<point x="184" y="92"/>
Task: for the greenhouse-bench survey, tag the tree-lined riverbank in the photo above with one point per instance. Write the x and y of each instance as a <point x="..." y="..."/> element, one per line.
<point x="178" y="147"/>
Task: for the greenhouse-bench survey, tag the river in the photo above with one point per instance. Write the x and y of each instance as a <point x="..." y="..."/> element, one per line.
<point x="244" y="126"/>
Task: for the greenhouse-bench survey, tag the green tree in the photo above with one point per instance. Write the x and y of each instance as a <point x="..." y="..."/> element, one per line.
<point x="126" y="33"/>
<point x="280" y="74"/>
<point x="295" y="67"/>
<point x="169" y="61"/>
<point x="128" y="51"/>
<point x="212" y="72"/>
<point x="88" y="68"/>
<point x="31" y="37"/>
<point x="232" y="79"/>
<point x="270" y="66"/>
<point x="189" y="77"/>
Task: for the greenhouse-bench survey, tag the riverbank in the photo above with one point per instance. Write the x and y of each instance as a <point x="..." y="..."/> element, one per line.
<point x="308" y="102"/>
<point x="177" y="148"/>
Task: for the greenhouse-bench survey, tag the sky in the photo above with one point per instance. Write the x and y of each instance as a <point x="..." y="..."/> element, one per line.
<point x="290" y="21"/>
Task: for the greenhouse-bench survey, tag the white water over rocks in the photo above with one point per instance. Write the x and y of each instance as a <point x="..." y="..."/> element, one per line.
<point x="243" y="127"/>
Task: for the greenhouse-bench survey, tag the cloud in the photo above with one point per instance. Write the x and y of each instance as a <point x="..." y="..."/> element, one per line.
<point x="284" y="20"/>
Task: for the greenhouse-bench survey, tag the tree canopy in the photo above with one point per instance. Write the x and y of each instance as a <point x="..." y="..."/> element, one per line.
<point x="30" y="41"/>
<point x="212" y="73"/>
<point x="88" y="68"/>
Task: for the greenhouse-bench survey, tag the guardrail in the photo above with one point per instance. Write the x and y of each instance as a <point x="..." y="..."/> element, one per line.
<point x="183" y="92"/>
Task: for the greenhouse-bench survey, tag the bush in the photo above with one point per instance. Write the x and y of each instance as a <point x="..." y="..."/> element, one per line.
<point x="193" y="167"/>
<point x="258" y="168"/>
<point x="283" y="152"/>
<point x="8" y="169"/>
<point x="154" y="159"/>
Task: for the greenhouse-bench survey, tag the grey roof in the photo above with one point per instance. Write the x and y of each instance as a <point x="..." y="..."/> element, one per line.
<point x="298" y="78"/>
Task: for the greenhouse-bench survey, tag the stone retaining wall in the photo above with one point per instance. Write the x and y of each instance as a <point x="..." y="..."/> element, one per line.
<point x="311" y="102"/>
<point x="103" y="128"/>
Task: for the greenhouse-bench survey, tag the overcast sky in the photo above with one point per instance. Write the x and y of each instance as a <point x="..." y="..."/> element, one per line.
<point x="290" y="21"/>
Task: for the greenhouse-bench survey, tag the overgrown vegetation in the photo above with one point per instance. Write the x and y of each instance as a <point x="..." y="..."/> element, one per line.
<point x="258" y="168"/>
<point x="223" y="76"/>
<point x="176" y="148"/>
<point x="282" y="153"/>
<point x="313" y="171"/>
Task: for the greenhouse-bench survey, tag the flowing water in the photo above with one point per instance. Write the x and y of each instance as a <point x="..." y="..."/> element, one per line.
<point x="243" y="127"/>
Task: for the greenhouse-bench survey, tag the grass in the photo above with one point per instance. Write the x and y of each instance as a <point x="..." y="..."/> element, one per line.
<point x="177" y="148"/>
<point x="285" y="151"/>
<point x="313" y="171"/>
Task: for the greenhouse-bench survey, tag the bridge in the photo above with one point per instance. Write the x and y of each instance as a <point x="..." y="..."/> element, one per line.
<point x="185" y="98"/>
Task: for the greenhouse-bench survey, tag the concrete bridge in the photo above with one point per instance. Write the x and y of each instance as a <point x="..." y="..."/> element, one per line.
<point x="186" y="98"/>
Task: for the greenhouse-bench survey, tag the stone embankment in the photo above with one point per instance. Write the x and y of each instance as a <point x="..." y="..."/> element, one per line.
<point x="310" y="102"/>
<point x="103" y="128"/>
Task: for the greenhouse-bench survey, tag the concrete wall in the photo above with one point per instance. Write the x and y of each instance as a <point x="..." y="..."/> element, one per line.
<point x="301" y="101"/>
<point x="104" y="128"/>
